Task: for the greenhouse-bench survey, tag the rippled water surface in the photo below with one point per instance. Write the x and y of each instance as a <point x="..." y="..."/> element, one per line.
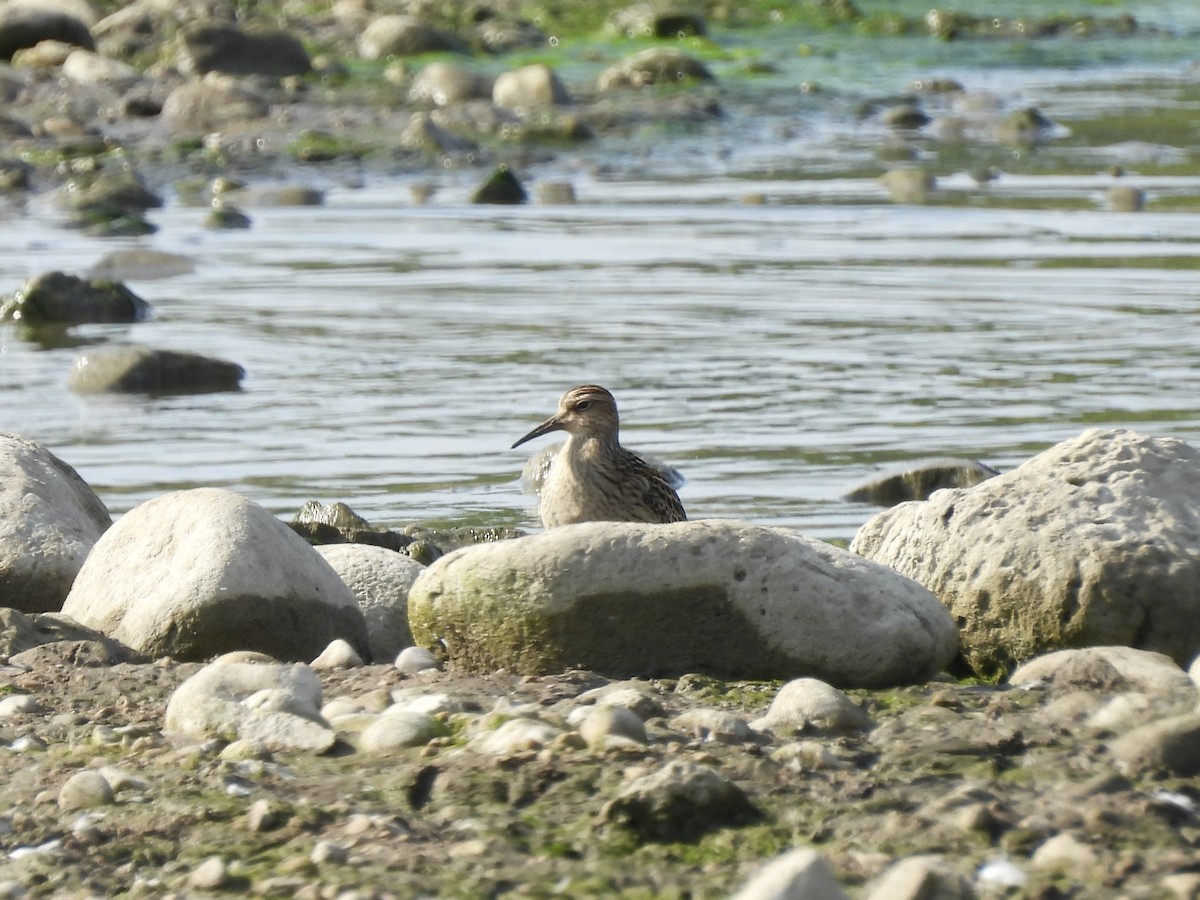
<point x="777" y="354"/>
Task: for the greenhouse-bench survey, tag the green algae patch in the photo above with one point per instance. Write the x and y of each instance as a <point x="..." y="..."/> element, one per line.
<point x="321" y="146"/>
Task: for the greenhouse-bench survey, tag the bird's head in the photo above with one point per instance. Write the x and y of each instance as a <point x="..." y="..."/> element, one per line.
<point x="587" y="411"/>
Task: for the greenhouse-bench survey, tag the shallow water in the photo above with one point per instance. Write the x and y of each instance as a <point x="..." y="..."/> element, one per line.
<point x="777" y="352"/>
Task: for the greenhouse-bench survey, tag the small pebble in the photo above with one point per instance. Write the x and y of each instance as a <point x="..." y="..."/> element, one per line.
<point x="402" y="728"/>
<point x="415" y="659"/>
<point x="103" y="735"/>
<point x="18" y="704"/>
<point x="604" y="722"/>
<point x="85" y="789"/>
<point x="329" y="852"/>
<point x="338" y="655"/>
<point x="263" y="816"/>
<point x="516" y="735"/>
<point x="210" y="875"/>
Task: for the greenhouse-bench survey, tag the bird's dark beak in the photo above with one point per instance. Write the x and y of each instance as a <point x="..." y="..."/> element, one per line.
<point x="551" y="424"/>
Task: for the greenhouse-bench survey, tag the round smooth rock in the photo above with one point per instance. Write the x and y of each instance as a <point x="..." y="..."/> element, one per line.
<point x="84" y="790"/>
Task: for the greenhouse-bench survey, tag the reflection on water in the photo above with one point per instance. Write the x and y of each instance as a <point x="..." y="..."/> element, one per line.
<point x="776" y="354"/>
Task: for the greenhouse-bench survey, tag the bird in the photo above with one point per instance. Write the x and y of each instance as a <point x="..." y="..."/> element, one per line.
<point x="593" y="478"/>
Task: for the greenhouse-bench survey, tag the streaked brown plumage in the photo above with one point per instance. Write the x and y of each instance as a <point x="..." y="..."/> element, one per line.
<point x="594" y="478"/>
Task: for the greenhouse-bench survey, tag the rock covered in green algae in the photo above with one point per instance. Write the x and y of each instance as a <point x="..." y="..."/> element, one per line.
<point x="720" y="596"/>
<point x="1091" y="542"/>
<point x="58" y="298"/>
<point x="501" y="187"/>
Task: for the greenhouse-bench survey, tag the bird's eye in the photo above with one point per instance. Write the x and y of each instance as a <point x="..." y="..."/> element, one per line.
<point x="583" y="405"/>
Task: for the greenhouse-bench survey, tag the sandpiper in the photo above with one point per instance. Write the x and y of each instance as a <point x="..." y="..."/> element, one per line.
<point x="594" y="478"/>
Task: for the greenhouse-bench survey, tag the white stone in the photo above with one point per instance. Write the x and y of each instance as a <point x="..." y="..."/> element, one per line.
<point x="84" y="790"/>
<point x="797" y="875"/>
<point x="807" y="703"/>
<point x="715" y="725"/>
<point x="210" y="875"/>
<point x="18" y="704"/>
<point x="1090" y="543"/>
<point x="728" y="597"/>
<point x="516" y="735"/>
<point x="1001" y="872"/>
<point x="379" y="579"/>
<point x="603" y="722"/>
<point x="399" y="728"/>
<point x="192" y="574"/>
<point x="921" y="878"/>
<point x="412" y="660"/>
<point x="86" y="67"/>
<point x="274" y="704"/>
<point x="1122" y="712"/>
<point x="1154" y="673"/>
<point x="529" y="87"/>
<point x="120" y="780"/>
<point x="338" y="655"/>
<point x="428" y="703"/>
<point x="1063" y="850"/>
<point x="49" y="520"/>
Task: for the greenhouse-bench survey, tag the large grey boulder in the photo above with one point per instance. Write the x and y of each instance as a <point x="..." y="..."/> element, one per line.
<point x="725" y="597"/>
<point x="1092" y="542"/>
<point x="49" y="520"/>
<point x="196" y="573"/>
<point x="380" y="578"/>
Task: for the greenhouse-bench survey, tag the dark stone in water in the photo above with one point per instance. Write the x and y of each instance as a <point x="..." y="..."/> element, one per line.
<point x="141" y="370"/>
<point x="502" y="187"/>
<point x="916" y="481"/>
<point x="337" y="523"/>
<point x="56" y="298"/>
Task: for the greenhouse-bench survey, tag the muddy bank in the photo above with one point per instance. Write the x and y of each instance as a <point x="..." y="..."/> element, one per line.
<point x="1018" y="790"/>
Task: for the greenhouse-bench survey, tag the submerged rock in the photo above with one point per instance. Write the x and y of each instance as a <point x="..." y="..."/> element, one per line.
<point x="501" y="187"/>
<point x="655" y="65"/>
<point x="134" y="369"/>
<point x="722" y="597"/>
<point x="1090" y="543"/>
<point x="49" y="521"/>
